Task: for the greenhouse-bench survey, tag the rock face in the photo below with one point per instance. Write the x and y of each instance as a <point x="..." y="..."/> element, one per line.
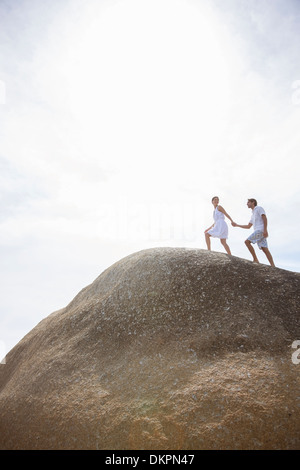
<point x="169" y="348"/>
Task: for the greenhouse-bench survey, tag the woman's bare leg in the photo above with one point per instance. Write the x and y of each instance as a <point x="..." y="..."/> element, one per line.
<point x="224" y="243"/>
<point x="207" y="239"/>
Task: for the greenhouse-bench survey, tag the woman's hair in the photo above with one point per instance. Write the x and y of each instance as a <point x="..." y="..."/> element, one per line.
<point x="253" y="200"/>
<point x="214" y="198"/>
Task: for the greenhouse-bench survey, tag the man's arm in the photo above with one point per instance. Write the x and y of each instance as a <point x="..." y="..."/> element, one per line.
<point x="242" y="226"/>
<point x="265" y="221"/>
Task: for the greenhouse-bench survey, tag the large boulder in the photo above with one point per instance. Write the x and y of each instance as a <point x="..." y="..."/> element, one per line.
<point x="169" y="348"/>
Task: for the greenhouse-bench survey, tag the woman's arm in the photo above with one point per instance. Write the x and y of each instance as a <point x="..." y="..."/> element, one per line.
<point x="221" y="209"/>
<point x="209" y="228"/>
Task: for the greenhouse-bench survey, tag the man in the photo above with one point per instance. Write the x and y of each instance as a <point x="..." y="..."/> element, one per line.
<point x="260" y="234"/>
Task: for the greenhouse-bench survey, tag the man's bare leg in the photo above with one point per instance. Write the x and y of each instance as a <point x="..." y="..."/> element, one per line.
<point x="252" y="251"/>
<point x="224" y="243"/>
<point x="207" y="239"/>
<point x="269" y="256"/>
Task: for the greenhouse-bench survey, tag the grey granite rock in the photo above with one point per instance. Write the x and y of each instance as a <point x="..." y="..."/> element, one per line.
<point x="170" y="348"/>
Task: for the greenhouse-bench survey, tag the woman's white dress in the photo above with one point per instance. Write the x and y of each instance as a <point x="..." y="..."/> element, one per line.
<point x="220" y="229"/>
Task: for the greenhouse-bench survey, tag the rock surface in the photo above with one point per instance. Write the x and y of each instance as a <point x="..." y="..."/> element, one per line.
<point x="169" y="348"/>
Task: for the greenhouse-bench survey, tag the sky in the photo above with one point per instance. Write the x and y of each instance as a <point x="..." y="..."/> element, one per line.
<point x="121" y="119"/>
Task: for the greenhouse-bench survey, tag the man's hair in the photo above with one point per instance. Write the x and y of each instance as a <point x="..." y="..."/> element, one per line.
<point x="214" y="198"/>
<point x="253" y="200"/>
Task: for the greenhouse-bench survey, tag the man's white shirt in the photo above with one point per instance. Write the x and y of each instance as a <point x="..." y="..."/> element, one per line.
<point x="256" y="219"/>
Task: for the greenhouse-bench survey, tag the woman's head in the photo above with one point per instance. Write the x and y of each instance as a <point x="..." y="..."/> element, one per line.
<point x="215" y="200"/>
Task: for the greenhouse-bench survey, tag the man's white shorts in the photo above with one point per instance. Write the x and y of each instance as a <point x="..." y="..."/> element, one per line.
<point x="258" y="237"/>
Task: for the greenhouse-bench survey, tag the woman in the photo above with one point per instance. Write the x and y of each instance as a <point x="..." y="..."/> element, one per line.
<point x="220" y="228"/>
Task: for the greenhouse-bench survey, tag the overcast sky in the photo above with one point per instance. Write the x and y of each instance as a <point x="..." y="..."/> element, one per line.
<point x="121" y="119"/>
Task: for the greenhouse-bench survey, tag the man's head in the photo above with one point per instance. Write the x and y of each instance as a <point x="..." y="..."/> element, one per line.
<point x="252" y="203"/>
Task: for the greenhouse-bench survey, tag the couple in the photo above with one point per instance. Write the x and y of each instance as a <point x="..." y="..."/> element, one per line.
<point x="259" y="221"/>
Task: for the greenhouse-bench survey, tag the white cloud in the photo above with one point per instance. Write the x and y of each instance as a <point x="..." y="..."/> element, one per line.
<point x="123" y="118"/>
